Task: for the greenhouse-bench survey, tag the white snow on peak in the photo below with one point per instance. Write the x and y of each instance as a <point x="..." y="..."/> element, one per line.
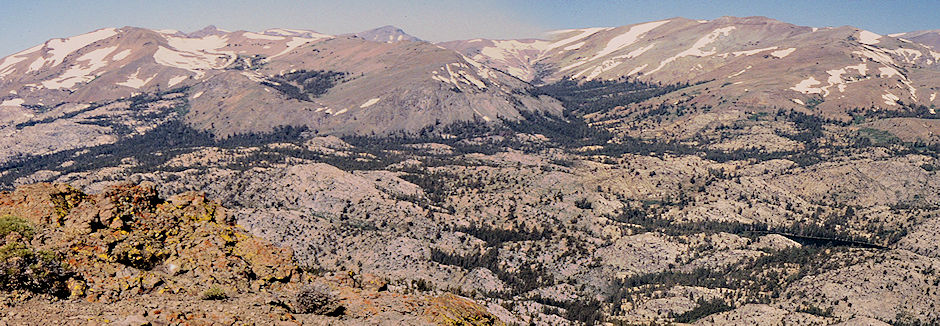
<point x="195" y="54"/>
<point x="210" y="43"/>
<point x="574" y="46"/>
<point x="896" y="34"/>
<point x="698" y="49"/>
<point x="500" y="49"/>
<point x="583" y="33"/>
<point x="29" y="51"/>
<point x="370" y="103"/>
<point x="133" y="81"/>
<point x="61" y="48"/>
<point x="296" y="42"/>
<point x="782" y="53"/>
<point x="256" y="36"/>
<point x="866" y="37"/>
<point x="83" y="71"/>
<point x="626" y="39"/>
<point x="6" y="65"/>
<point x="168" y="31"/>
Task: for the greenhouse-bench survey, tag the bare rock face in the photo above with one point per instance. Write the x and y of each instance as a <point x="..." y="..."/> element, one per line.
<point x="183" y="245"/>
<point x="128" y="256"/>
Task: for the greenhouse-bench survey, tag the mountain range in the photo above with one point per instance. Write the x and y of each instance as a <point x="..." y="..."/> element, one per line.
<point x="740" y="170"/>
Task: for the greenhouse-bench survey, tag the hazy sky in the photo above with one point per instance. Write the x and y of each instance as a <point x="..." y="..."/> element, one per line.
<point x="24" y="23"/>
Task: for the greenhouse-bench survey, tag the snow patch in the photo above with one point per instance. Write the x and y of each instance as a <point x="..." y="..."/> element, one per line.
<point x="862" y="68"/>
<point x="909" y="55"/>
<point x="369" y="103"/>
<point x="782" y="53"/>
<point x="752" y="52"/>
<point x="697" y="49"/>
<point x="866" y="37"/>
<point x="637" y="69"/>
<point x="739" y="72"/>
<point x="6" y="66"/>
<point x="886" y="72"/>
<point x="876" y="54"/>
<point x="175" y="80"/>
<point x="599" y="69"/>
<point x="121" y="55"/>
<point x="798" y="101"/>
<point x="13" y="102"/>
<point x="256" y="36"/>
<point x="79" y="73"/>
<point x="133" y="81"/>
<point x="933" y="97"/>
<point x="61" y="48"/>
<point x="806" y="86"/>
<point x="293" y="44"/>
<point x="891" y="99"/>
<point x="197" y="95"/>
<point x="626" y="39"/>
<point x="573" y="65"/>
<point x="635" y="53"/>
<point x="574" y="46"/>
<point x="195" y="54"/>
<point x="583" y="33"/>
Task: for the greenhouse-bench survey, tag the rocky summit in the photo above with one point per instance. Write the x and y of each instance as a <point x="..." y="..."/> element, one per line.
<point x="129" y="257"/>
<point x="738" y="170"/>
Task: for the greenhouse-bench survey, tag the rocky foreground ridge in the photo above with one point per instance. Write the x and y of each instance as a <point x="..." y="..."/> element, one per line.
<point x="126" y="256"/>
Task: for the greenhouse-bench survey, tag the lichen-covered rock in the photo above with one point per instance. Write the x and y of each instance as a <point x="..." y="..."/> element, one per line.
<point x="129" y="257"/>
<point x="127" y="240"/>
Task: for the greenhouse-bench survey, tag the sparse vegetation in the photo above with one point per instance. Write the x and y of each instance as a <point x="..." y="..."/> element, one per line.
<point x="10" y="223"/>
<point x="316" y="299"/>
<point x="214" y="293"/>
<point x="37" y="271"/>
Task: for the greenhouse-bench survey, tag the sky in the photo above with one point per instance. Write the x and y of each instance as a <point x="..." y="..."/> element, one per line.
<point x="24" y="24"/>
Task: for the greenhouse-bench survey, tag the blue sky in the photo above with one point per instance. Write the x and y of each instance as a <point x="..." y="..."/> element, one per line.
<point x="27" y="23"/>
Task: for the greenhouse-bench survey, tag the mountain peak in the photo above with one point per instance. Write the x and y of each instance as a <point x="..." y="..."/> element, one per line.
<point x="386" y="34"/>
<point x="206" y="31"/>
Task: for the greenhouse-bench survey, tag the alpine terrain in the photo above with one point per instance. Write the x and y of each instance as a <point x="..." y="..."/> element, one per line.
<point x="738" y="171"/>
